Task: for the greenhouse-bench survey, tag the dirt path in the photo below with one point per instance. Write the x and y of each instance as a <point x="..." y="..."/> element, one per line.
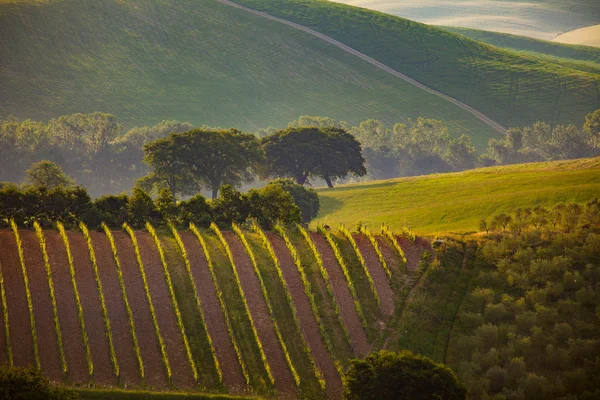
<point x="42" y="307"/>
<point x="156" y="375"/>
<point x="477" y="114"/>
<point x="382" y="284"/>
<point x="392" y="258"/>
<point x="310" y="329"/>
<point x="284" y="383"/>
<point x="358" y="337"/>
<point x="183" y="377"/>
<point x="117" y="313"/>
<point x="411" y="252"/>
<point x="16" y="299"/>
<point x="233" y="379"/>
<point x="90" y="301"/>
<point x="67" y="309"/>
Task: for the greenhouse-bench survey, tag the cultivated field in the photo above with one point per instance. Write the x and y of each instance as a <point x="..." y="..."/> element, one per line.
<point x="456" y="202"/>
<point x="238" y="311"/>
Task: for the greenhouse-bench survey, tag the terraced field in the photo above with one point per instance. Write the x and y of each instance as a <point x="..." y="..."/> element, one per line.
<point x="243" y="312"/>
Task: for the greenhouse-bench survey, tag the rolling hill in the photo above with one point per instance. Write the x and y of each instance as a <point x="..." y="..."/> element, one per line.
<point x="456" y="202"/>
<point x="589" y="36"/>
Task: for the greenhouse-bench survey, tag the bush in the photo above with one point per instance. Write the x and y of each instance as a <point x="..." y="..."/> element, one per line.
<point x="29" y="384"/>
<point x="306" y="199"/>
<point x="386" y="375"/>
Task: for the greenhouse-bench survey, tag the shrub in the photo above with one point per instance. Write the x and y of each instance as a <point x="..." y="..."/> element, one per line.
<point x="196" y="210"/>
<point x="306" y="199"/>
<point x="386" y="375"/>
<point x="498" y="378"/>
<point x="29" y="384"/>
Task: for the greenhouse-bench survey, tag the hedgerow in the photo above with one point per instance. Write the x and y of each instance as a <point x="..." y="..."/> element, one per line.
<point x="365" y="231"/>
<point x="263" y="356"/>
<point x="86" y="344"/>
<point x="263" y="289"/>
<point x="219" y="293"/>
<point x="9" y="355"/>
<point x="136" y="345"/>
<point x="42" y="240"/>
<point x="161" y="342"/>
<point x="344" y="231"/>
<point x="174" y="303"/>
<point x="340" y="260"/>
<point x="188" y="267"/>
<point x="267" y="244"/>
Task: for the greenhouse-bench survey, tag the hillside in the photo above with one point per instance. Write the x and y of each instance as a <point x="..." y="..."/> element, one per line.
<point x="588" y="36"/>
<point x="202" y="62"/>
<point x="456" y="202"/>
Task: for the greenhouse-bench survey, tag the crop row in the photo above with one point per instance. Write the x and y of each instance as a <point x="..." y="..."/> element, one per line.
<point x="365" y="231"/>
<point x="219" y="293"/>
<point x="174" y="304"/>
<point x="9" y="355"/>
<point x="386" y="231"/>
<point x="136" y="345"/>
<point x="340" y="260"/>
<point x="325" y="275"/>
<point x="108" y="331"/>
<point x="161" y="342"/>
<point x="236" y="229"/>
<point x="15" y="230"/>
<point x="263" y="356"/>
<point x="267" y="244"/>
<point x="42" y="240"/>
<point x="344" y="231"/>
<point x="188" y="267"/>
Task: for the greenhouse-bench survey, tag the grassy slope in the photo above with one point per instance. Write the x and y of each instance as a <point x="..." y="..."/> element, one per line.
<point x="204" y="62"/>
<point x="455" y="202"/>
<point x="512" y="88"/>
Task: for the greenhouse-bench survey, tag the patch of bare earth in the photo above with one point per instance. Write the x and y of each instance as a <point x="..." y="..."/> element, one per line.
<point x="92" y="311"/>
<point x="233" y="377"/>
<point x="391" y="256"/>
<point x="382" y="284"/>
<point x="42" y="306"/>
<point x="16" y="299"/>
<point x="308" y="322"/>
<point x="284" y="382"/>
<point x="117" y="313"/>
<point x="180" y="366"/>
<point x="358" y="337"/>
<point x="411" y="252"/>
<point x="156" y="375"/>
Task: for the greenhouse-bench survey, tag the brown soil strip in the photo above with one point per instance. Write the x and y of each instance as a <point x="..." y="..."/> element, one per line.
<point x="156" y="375"/>
<point x="358" y="337"/>
<point x="16" y="299"/>
<point x="284" y="382"/>
<point x="182" y="372"/>
<point x="42" y="306"/>
<point x="233" y="378"/>
<point x="310" y="328"/>
<point x="411" y="252"/>
<point x="3" y="348"/>
<point x="90" y="301"/>
<point x="117" y="313"/>
<point x="391" y="256"/>
<point x="67" y="309"/>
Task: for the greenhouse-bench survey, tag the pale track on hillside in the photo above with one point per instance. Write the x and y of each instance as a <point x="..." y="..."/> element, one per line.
<point x="495" y="125"/>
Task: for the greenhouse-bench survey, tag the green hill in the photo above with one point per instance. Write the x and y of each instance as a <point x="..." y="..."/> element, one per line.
<point x="512" y="88"/>
<point x="456" y="202"/>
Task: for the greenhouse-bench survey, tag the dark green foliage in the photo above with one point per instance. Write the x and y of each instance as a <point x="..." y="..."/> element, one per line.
<point x="195" y="210"/>
<point x="47" y="174"/>
<point x="29" y="384"/>
<point x="396" y="376"/>
<point x="306" y="199"/>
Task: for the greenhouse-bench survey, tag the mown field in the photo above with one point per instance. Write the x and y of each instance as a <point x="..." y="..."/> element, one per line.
<point x="456" y="202"/>
<point x="198" y="313"/>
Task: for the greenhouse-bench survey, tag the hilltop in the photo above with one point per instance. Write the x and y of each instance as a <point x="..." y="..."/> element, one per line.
<point x="456" y="202"/>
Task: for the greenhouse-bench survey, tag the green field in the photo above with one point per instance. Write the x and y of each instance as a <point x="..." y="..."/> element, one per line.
<point x="456" y="202"/>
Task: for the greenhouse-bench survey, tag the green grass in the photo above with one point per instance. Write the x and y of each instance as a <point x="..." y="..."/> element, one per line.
<point x="110" y="394"/>
<point x="456" y="202"/>
<point x="201" y="61"/>
<point x="511" y="88"/>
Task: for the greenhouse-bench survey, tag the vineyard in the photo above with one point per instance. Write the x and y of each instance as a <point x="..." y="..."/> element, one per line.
<point x="238" y="311"/>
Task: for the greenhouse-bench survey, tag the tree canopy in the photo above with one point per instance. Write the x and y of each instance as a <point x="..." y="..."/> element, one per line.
<point x="48" y="175"/>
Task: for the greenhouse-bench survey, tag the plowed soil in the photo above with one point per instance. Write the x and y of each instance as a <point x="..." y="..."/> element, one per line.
<point x="117" y="313"/>
<point x="16" y="299"/>
<point x="382" y="284"/>
<point x="156" y="375"/>
<point x="77" y="368"/>
<point x="90" y="301"/>
<point x="182" y="372"/>
<point x="391" y="256"/>
<point x="233" y="378"/>
<point x="284" y="382"/>
<point x="411" y="252"/>
<point x="310" y="329"/>
<point x="42" y="306"/>
<point x="358" y="337"/>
